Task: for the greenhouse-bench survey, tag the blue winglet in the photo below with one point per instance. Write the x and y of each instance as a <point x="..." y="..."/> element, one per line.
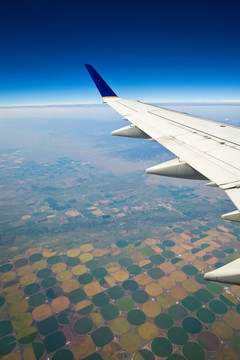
<point x="102" y="86"/>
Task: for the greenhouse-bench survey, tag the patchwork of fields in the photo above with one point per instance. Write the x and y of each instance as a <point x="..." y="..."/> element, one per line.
<point x="134" y="299"/>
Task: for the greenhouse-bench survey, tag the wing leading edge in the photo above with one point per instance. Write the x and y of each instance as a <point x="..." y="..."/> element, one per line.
<point x="205" y="149"/>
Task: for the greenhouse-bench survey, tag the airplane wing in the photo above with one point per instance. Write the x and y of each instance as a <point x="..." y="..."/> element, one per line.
<point x="205" y="149"/>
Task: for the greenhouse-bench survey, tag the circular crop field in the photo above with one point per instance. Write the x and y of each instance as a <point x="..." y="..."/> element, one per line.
<point x="206" y="315"/>
<point x="140" y="296"/>
<point x="192" y="325"/>
<point x="82" y="347"/>
<point x="177" y="335"/>
<point x="191" y="303"/>
<point x="119" y="326"/>
<point x="200" y="279"/>
<point x="163" y="321"/>
<point x="76" y="295"/>
<point x="143" y="279"/>
<point x="27" y="335"/>
<point x="85" y="279"/>
<point x="22" y="320"/>
<point x="83" y="326"/>
<point x="122" y="243"/>
<point x="63" y="354"/>
<point x="215" y="289"/>
<point x="189" y="270"/>
<point x="7" y="345"/>
<point x="54" y="292"/>
<point x="64" y="275"/>
<point x="48" y="282"/>
<point x="130" y="285"/>
<point x="153" y="289"/>
<point x="151" y="308"/>
<point x="100" y="299"/>
<point x="61" y="303"/>
<point x="31" y="289"/>
<point x="5" y="328"/>
<point x="209" y="341"/>
<point x="125" y="304"/>
<point x="92" y="264"/>
<point x="166" y="282"/>
<point x="192" y="350"/>
<point x="134" y="269"/>
<point x="136" y="317"/>
<point x="157" y="259"/>
<point x="102" y="336"/>
<point x="44" y="273"/>
<point x="48" y="325"/>
<point x="73" y="261"/>
<point x="168" y="254"/>
<point x="144" y="354"/>
<point x="177" y="311"/>
<point x="109" y="312"/>
<point x="99" y="273"/>
<point x="125" y="261"/>
<point x="155" y="273"/>
<point x="36" y="299"/>
<point x="178" y="276"/>
<point x="35" y="257"/>
<point x="131" y="341"/>
<point x="5" y="268"/>
<point x="17" y="308"/>
<point x="84" y="307"/>
<point x="54" y="259"/>
<point x="191" y="285"/>
<point x="115" y="292"/>
<point x="148" y="331"/>
<point x="54" y="341"/>
<point x="59" y="267"/>
<point x="165" y="300"/>
<point x="161" y="347"/>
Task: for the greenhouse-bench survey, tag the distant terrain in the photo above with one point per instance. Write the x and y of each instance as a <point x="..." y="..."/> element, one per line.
<point x="101" y="261"/>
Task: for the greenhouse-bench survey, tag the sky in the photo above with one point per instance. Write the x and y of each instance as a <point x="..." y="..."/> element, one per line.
<point x="151" y="50"/>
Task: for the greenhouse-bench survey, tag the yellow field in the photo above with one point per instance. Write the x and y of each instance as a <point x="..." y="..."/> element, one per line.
<point x="42" y="312"/>
<point x="221" y="329"/>
<point x="112" y="351"/>
<point x="121" y="275"/>
<point x="143" y="279"/>
<point x="86" y="257"/>
<point x="96" y="318"/>
<point x="28" y="279"/>
<point x="178" y="276"/>
<point x="79" y="269"/>
<point x="148" y="331"/>
<point x="120" y="326"/>
<point x="153" y="289"/>
<point x="64" y="275"/>
<point x="166" y="282"/>
<point x="92" y="288"/>
<point x="151" y="308"/>
<point x="60" y="303"/>
<point x="232" y="318"/>
<point x="82" y="347"/>
<point x="70" y="285"/>
<point x="73" y="252"/>
<point x="59" y="267"/>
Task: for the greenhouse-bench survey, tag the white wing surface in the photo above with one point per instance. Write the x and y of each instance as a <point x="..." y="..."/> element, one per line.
<point x="205" y="149"/>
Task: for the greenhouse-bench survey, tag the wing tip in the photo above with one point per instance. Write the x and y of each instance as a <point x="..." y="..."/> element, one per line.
<point x="101" y="85"/>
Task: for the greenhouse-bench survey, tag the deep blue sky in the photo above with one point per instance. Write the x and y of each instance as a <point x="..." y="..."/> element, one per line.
<point x="150" y="50"/>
